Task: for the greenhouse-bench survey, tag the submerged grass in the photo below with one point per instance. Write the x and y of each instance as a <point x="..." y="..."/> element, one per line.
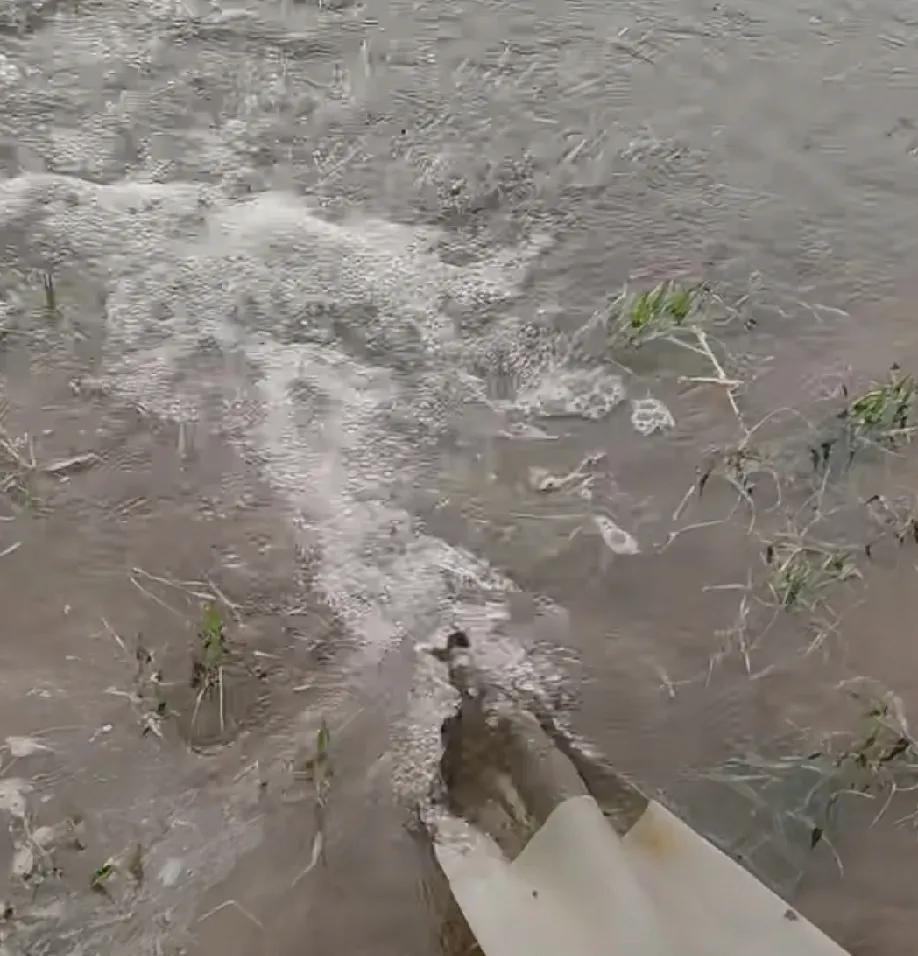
<point x="805" y="514"/>
<point x="801" y="572"/>
<point x="878" y="761"/>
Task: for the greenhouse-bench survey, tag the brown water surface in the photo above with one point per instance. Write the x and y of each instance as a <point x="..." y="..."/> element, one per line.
<point x="288" y="293"/>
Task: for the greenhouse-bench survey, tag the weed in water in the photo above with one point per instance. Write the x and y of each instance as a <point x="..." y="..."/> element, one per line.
<point x="800" y="573"/>
<point x="318" y="768"/>
<point x="657" y="312"/>
<point x="882" y="758"/>
<point x="681" y="315"/>
<point x="211" y="636"/>
<point x="897" y="518"/>
<point x="209" y="658"/>
<point x="155" y="706"/>
<point x="739" y="467"/>
<point x="100" y="877"/>
<point x="883" y="414"/>
<point x="883" y="745"/>
<point x="322" y="762"/>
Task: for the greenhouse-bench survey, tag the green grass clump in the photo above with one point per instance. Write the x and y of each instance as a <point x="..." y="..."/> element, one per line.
<point x="213" y="644"/>
<point x="102" y="875"/>
<point x="656" y="312"/>
<point x="800" y="574"/>
<point x="884" y="413"/>
<point x="209" y="659"/>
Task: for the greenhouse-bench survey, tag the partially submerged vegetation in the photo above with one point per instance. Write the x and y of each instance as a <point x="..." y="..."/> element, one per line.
<point x="664" y="310"/>
<point x="318" y="770"/>
<point x="787" y="512"/>
<point x="876" y="761"/>
<point x="207" y="664"/>
<point x="801" y="572"/>
<point x="21" y="470"/>
<point x="683" y="315"/>
<point x="883" y="414"/>
<point x="17" y="470"/>
<point x="793" y="497"/>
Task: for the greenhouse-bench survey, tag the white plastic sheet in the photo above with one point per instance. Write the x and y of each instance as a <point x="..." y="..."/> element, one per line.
<point x="580" y="889"/>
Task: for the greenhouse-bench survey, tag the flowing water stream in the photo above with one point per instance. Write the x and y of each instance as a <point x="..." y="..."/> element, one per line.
<point x="299" y="306"/>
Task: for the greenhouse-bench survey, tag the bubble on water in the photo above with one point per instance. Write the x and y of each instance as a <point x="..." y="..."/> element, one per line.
<point x="12" y="796"/>
<point x="170" y="871"/>
<point x="649" y="415"/>
<point x="9" y="72"/>
<point x="25" y="746"/>
<point x="416" y="745"/>
<point x="527" y="432"/>
<point x="590" y="393"/>
<point x="23" y="862"/>
<point x="615" y="538"/>
<point x="187" y="270"/>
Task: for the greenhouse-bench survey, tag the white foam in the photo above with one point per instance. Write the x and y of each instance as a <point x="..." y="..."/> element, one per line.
<point x="649" y="415"/>
<point x="12" y="796"/>
<point x="565" y="391"/>
<point x="617" y="540"/>
<point x="188" y="266"/>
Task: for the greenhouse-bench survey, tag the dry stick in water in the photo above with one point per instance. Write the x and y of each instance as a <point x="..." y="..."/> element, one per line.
<point x="114" y="634"/>
<point x="233" y="608"/>
<point x="9" y="447"/>
<point x="187" y="587"/>
<point x="197" y="707"/>
<point x="317" y="843"/>
<point x="237" y="905"/>
<point x="320" y="776"/>
<point x="220" y="680"/>
<point x="704" y="349"/>
<point x="158" y="600"/>
<point x="76" y="463"/>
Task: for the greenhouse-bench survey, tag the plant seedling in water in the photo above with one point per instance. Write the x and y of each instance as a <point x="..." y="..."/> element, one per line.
<point x="211" y="636"/>
<point x="882" y="758"/>
<point x="667" y="302"/>
<point x="318" y="768"/>
<point x="321" y="764"/>
<point x="741" y="467"/>
<point x="102" y="875"/>
<point x="207" y="666"/>
<point x="656" y="312"/>
<point x="150" y="700"/>
<point x="679" y="314"/>
<point x="884" y="412"/>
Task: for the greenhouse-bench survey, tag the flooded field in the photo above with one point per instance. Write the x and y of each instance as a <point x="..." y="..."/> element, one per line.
<point x="328" y="328"/>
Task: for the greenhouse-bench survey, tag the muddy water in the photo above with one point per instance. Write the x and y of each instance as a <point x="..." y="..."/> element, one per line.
<point x="316" y="274"/>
